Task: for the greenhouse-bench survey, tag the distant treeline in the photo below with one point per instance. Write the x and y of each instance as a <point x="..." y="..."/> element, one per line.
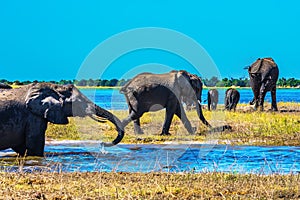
<point x="214" y="81"/>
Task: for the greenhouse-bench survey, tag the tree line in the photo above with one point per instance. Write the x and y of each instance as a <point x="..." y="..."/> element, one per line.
<point x="212" y="82"/>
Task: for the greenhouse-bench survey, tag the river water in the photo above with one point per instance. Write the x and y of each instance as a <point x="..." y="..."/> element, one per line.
<point x="111" y="98"/>
<point x="90" y="157"/>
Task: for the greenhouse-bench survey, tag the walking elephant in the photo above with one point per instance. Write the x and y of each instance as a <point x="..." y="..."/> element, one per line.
<point x="151" y="92"/>
<point x="212" y="99"/>
<point x="263" y="75"/>
<point x="26" y="111"/>
<point x="232" y="97"/>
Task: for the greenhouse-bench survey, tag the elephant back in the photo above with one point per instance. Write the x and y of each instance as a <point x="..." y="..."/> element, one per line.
<point x="256" y="67"/>
<point x="147" y="81"/>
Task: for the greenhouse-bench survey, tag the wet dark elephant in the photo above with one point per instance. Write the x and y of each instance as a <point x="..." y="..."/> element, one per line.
<point x="263" y="75"/>
<point x="212" y="99"/>
<point x="232" y="97"/>
<point x="151" y="92"/>
<point x="26" y="111"/>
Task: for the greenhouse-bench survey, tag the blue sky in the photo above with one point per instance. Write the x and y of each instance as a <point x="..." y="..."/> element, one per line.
<point x="49" y="40"/>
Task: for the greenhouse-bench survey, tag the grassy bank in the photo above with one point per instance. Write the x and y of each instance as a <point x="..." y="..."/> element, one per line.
<point x="249" y="127"/>
<point x="147" y="186"/>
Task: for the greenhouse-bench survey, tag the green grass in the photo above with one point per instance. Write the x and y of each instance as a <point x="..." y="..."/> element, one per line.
<point x="249" y="128"/>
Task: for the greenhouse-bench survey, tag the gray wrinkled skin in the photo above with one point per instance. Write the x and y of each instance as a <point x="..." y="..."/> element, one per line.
<point x="212" y="99"/>
<point x="232" y="98"/>
<point x="26" y="111"/>
<point x="151" y="92"/>
<point x="263" y="75"/>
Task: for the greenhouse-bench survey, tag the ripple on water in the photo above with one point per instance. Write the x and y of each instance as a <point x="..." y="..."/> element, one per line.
<point x="88" y="156"/>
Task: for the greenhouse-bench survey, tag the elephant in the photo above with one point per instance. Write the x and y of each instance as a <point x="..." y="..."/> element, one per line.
<point x="232" y="97"/>
<point x="26" y="111"/>
<point x="263" y="75"/>
<point x="189" y="103"/>
<point x="212" y="99"/>
<point x="152" y="92"/>
<point x="5" y="86"/>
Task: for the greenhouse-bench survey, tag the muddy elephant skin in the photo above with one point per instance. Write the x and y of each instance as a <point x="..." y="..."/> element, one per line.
<point x="26" y="111"/>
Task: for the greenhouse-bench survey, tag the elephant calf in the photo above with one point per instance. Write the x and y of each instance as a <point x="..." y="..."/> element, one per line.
<point x="26" y="111"/>
<point x="151" y="92"/>
<point x="232" y="97"/>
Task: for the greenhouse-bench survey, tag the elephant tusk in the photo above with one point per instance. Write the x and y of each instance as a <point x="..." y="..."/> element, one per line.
<point x="98" y="119"/>
<point x="199" y="102"/>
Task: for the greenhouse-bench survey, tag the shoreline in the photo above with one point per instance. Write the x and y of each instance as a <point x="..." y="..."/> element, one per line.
<point x="204" y="87"/>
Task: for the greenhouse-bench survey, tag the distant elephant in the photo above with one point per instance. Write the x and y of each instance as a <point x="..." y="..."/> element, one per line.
<point x="189" y="103"/>
<point x="5" y="86"/>
<point x="212" y="99"/>
<point x="151" y="92"/>
<point x="232" y="97"/>
<point x="26" y="111"/>
<point x="263" y="75"/>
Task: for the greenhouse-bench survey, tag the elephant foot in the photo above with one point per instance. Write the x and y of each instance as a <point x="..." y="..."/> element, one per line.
<point x="193" y="131"/>
<point x="165" y="133"/>
<point x="274" y="109"/>
<point x="221" y="128"/>
<point x="140" y="132"/>
<point x="261" y="108"/>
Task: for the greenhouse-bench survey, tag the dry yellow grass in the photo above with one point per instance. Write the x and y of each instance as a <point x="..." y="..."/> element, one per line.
<point x="147" y="186"/>
<point x="249" y="127"/>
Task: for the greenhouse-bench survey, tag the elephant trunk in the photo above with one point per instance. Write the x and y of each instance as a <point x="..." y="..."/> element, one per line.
<point x="100" y="112"/>
<point x="200" y="114"/>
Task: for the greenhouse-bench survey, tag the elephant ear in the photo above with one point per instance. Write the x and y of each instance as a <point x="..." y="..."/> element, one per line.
<point x="187" y="84"/>
<point x="255" y="67"/>
<point x="45" y="102"/>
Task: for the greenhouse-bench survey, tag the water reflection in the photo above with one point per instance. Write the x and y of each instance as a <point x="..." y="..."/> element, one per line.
<point x="90" y="157"/>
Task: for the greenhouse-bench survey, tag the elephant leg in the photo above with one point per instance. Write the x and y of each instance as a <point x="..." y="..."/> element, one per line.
<point x="35" y="137"/>
<point x="234" y="106"/>
<point x="262" y="94"/>
<point x="137" y="126"/>
<point x="214" y="106"/>
<point x="21" y="149"/>
<point x="182" y="116"/>
<point x="274" y="101"/>
<point x="209" y="104"/>
<point x="167" y="123"/>
<point x="170" y="111"/>
<point x="255" y="100"/>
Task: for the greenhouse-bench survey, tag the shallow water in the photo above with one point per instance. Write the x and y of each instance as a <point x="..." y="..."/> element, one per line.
<point x="91" y="157"/>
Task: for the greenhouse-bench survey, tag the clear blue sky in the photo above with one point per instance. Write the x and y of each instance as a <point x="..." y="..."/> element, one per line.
<point x="49" y="40"/>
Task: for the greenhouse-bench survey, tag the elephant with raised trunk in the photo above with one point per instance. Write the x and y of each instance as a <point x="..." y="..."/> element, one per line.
<point x="212" y="99"/>
<point x="26" y="111"/>
<point x="263" y="75"/>
<point x="232" y="97"/>
<point x="151" y="92"/>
